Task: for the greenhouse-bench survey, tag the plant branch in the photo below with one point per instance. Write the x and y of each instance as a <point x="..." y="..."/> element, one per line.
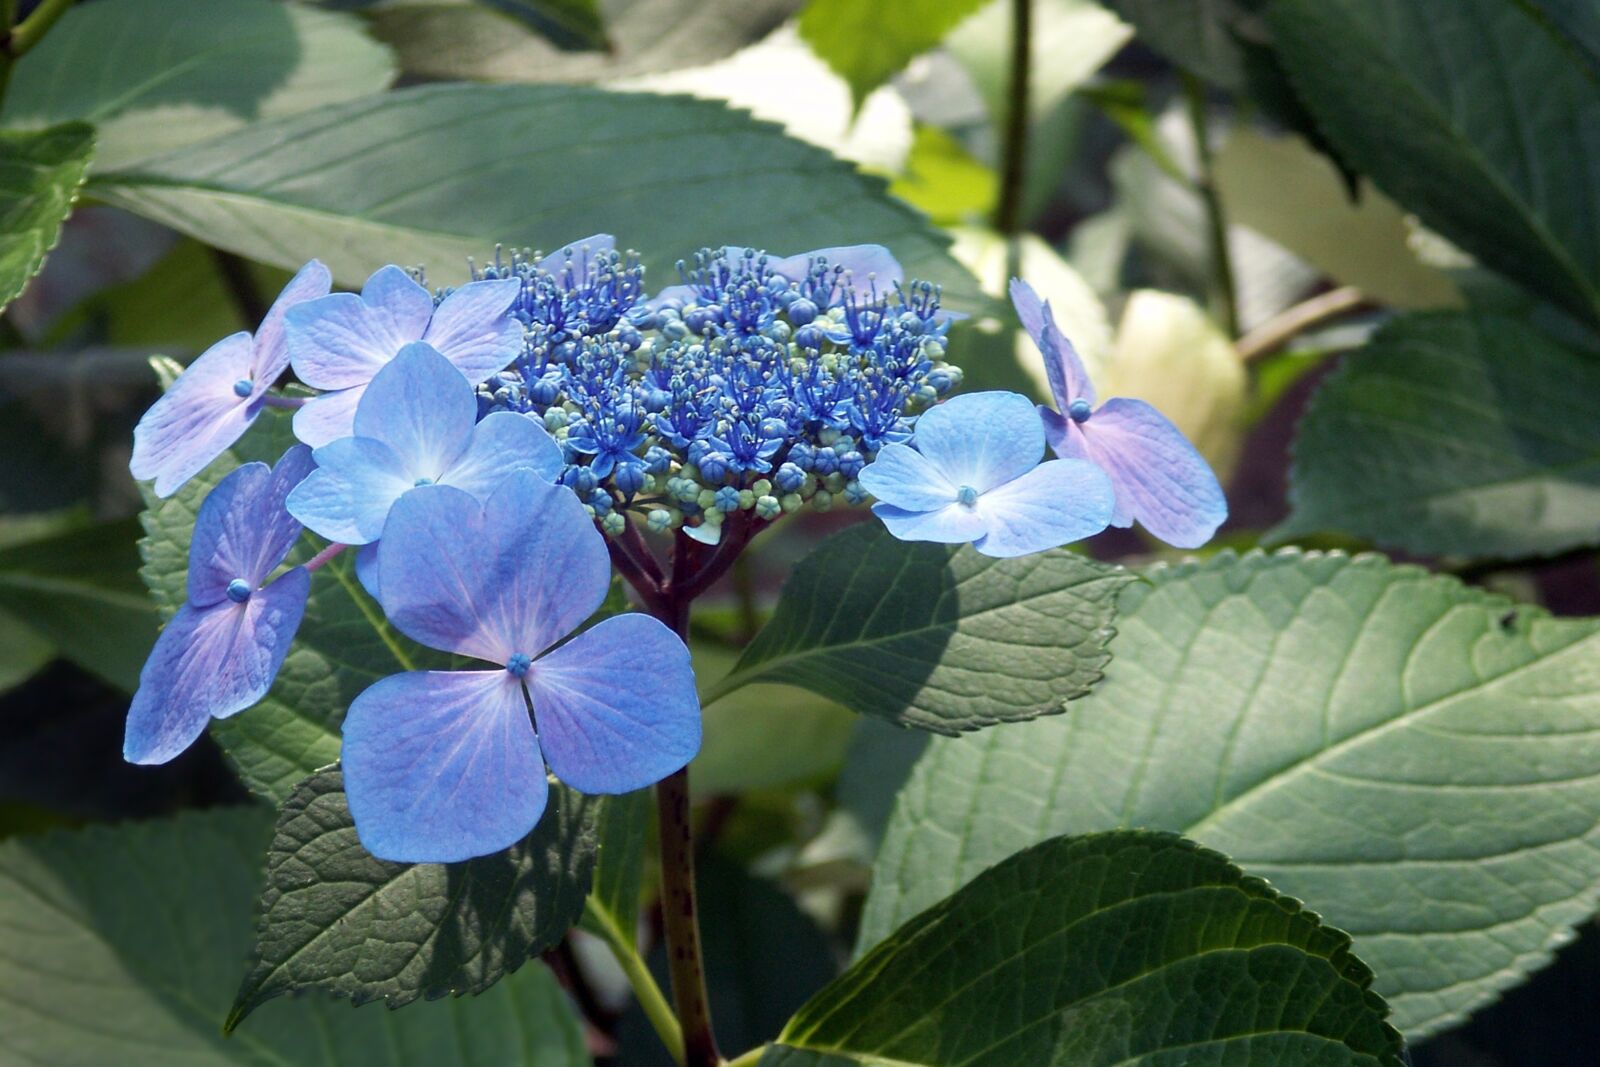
<point x="1285" y="326"/>
<point x="31" y="30"/>
<point x="648" y="993"/>
<point x="1224" y="292"/>
<point x="1014" y="157"/>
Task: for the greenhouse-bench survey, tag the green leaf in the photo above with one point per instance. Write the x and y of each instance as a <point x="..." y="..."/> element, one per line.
<point x="1201" y="36"/>
<point x="1128" y="948"/>
<point x="40" y="174"/>
<point x="344" y="643"/>
<point x="22" y="652"/>
<point x="1472" y="114"/>
<point x="78" y="590"/>
<point x="575" y="24"/>
<point x="123" y="944"/>
<point x="933" y="636"/>
<point x="621" y="832"/>
<point x="467" y="40"/>
<point x="867" y="44"/>
<point x="1392" y="747"/>
<point x="943" y="179"/>
<point x="1579" y="20"/>
<point x="1453" y="434"/>
<point x="336" y="918"/>
<point x="155" y="74"/>
<point x="438" y="174"/>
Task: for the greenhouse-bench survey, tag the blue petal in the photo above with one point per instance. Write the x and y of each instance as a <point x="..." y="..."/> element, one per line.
<point x="1056" y="503"/>
<point x="472" y="329"/>
<point x="398" y="308"/>
<point x="1062" y="365"/>
<point x="272" y="342"/>
<point x="367" y="568"/>
<point x="514" y="574"/>
<point x="905" y="478"/>
<point x="1160" y="478"/>
<point x="441" y="766"/>
<point x="348" y="497"/>
<point x="981" y="440"/>
<point x="422" y="408"/>
<point x="211" y="662"/>
<point x="329" y="417"/>
<point x="953" y="524"/>
<point x="616" y="706"/>
<point x="581" y="251"/>
<point x="196" y="420"/>
<point x="504" y="442"/>
<point x="243" y="529"/>
<point x="865" y="264"/>
<point x="338" y="341"/>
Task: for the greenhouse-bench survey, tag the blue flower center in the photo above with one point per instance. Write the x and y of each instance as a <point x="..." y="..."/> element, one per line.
<point x="967" y="496"/>
<point x="421" y="482"/>
<point x="518" y="663"/>
<point x="243" y="387"/>
<point x="239" y="590"/>
<point x="1078" y="410"/>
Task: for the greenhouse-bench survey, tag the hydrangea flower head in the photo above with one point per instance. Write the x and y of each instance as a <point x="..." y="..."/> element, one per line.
<point x="220" y="394"/>
<point x="1159" y="477"/>
<point x="222" y="650"/>
<point x="972" y="474"/>
<point x="338" y="343"/>
<point x="445" y="765"/>
<point x="416" y="425"/>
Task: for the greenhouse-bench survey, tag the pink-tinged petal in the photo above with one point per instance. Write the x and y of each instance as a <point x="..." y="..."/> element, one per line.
<point x="399" y="306"/>
<point x="196" y="420"/>
<point x="1062" y="434"/>
<point x="1058" y="502"/>
<point x="953" y="524"/>
<point x="514" y="574"/>
<point x="905" y="478"/>
<point x="582" y="252"/>
<point x="442" y="766"/>
<point x="328" y="417"/>
<point x="1159" y="477"/>
<point x="616" y="706"/>
<point x="684" y="294"/>
<point x="503" y="442"/>
<point x="981" y="440"/>
<point x="243" y="530"/>
<point x="272" y="342"/>
<point x="1069" y="380"/>
<point x="212" y="662"/>
<point x="472" y="329"/>
<point x="340" y="341"/>
<point x="422" y="408"/>
<point x="348" y="497"/>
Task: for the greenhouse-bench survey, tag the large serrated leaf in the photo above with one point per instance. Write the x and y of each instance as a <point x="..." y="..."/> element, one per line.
<point x="122" y="945"/>
<point x="155" y="74"/>
<point x="1475" y="114"/>
<point x="40" y="174"/>
<point x="336" y="918"/>
<point x="933" y="636"/>
<point x="344" y="643"/>
<point x="1464" y="435"/>
<point x="621" y="833"/>
<point x="1413" y="758"/>
<point x="1130" y="948"/>
<point x="438" y="174"/>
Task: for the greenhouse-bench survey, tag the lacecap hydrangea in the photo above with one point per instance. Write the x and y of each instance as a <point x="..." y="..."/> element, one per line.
<point x="497" y="449"/>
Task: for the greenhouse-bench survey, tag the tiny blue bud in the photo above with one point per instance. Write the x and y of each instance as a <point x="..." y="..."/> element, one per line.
<point x="967" y="496"/>
<point x="826" y="461"/>
<point x="420" y="482"/>
<point x="614" y="523"/>
<point x="1079" y="410"/>
<point x="713" y="467"/>
<point x="789" y="478"/>
<point x="519" y="663"/>
<point x="802" y="312"/>
<point x="243" y="387"/>
<point x="727" y="499"/>
<point x="659" y="520"/>
<point x="854" y="494"/>
<point x="768" y="508"/>
<point x="629" y="479"/>
<point x="239" y="590"/>
<point x="850" y="463"/>
<point x="555" y="419"/>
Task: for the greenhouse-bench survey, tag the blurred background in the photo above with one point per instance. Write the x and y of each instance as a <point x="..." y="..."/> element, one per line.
<point x="1163" y="187"/>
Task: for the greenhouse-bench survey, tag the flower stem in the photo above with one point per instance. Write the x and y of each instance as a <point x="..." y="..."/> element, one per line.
<point x="315" y="562"/>
<point x="649" y="995"/>
<point x="1224" y="292"/>
<point x="679" y="912"/>
<point x="1014" y="159"/>
<point x="1280" y="330"/>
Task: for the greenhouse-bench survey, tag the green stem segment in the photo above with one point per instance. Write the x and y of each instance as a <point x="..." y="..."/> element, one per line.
<point x="1013" y="168"/>
<point x="16" y="40"/>
<point x="651" y="999"/>
<point x="1224" y="292"/>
